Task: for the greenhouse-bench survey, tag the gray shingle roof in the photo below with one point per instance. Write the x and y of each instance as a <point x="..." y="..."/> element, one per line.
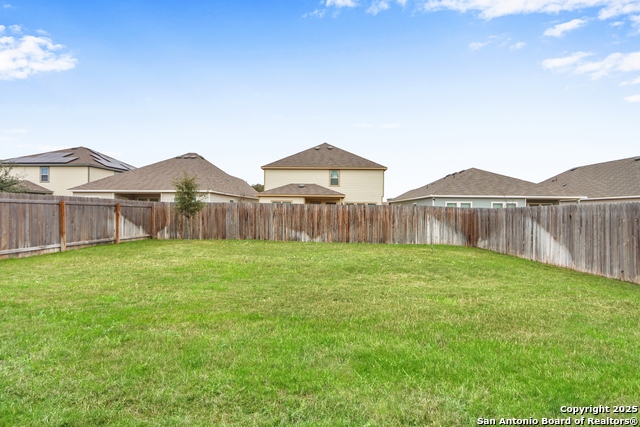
<point x="161" y="176"/>
<point x="324" y="156"/>
<point x="34" y="188"/>
<point x="301" y="190"/>
<point x="78" y="156"/>
<point x="473" y="182"/>
<point x="616" y="178"/>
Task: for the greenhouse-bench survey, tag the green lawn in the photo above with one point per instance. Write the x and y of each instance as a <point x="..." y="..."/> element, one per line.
<point x="175" y="333"/>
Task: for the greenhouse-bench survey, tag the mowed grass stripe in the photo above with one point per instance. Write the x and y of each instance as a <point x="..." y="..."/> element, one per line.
<point x="270" y="333"/>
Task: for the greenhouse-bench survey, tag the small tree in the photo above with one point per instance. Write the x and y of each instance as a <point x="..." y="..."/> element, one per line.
<point x="188" y="201"/>
<point x="258" y="187"/>
<point x="8" y="182"/>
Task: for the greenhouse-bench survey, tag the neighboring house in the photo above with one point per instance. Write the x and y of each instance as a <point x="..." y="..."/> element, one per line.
<point x="607" y="182"/>
<point x="155" y="182"/>
<point x="31" y="188"/>
<point x="58" y="171"/>
<point x="476" y="188"/>
<point x="323" y="174"/>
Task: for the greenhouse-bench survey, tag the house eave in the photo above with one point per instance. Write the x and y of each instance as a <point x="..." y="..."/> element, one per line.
<point x="336" y="167"/>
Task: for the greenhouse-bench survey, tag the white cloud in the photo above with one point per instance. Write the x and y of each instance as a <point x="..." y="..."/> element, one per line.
<point x="378" y="6"/>
<point x="316" y="13"/>
<point x="633" y="98"/>
<point x="15" y="29"/>
<point x="2" y="27"/>
<point x="567" y="61"/>
<point x="615" y="62"/>
<point x="560" y="29"/>
<point x="7" y="6"/>
<point x="340" y="3"/>
<point x="517" y="46"/>
<point x="632" y="82"/>
<point x="477" y="45"/>
<point x="617" y="24"/>
<point x="42" y="32"/>
<point x="21" y="58"/>
<point x="495" y="8"/>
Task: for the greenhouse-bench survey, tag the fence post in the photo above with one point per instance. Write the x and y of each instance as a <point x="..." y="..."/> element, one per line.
<point x="153" y="221"/>
<point x="63" y="227"/>
<point x="117" y="223"/>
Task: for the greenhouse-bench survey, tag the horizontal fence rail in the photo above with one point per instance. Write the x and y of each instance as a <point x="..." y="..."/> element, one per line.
<point x="601" y="239"/>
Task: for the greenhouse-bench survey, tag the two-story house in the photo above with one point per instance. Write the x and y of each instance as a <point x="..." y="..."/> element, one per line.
<point x="58" y="171"/>
<point x="323" y="174"/>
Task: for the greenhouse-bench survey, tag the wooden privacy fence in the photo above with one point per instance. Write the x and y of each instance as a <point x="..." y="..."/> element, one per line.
<point x="32" y="224"/>
<point x="601" y="239"/>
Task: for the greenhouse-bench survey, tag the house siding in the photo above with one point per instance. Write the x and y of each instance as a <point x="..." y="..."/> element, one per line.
<point x="358" y="186"/>
<point x="293" y="200"/>
<point x="476" y="202"/>
<point x="62" y="178"/>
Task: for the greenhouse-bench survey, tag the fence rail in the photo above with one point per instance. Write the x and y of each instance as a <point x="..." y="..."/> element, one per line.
<point x="601" y="239"/>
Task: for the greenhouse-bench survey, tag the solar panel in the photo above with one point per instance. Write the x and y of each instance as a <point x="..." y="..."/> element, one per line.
<point x="109" y="162"/>
<point x="48" y="158"/>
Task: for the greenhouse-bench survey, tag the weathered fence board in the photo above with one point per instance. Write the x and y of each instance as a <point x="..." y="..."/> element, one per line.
<point x="599" y="239"/>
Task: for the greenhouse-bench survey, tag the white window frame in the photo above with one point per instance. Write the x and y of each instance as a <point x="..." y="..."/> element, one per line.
<point x="334" y="185"/>
<point x="458" y="203"/>
<point x="48" y="174"/>
<point x="504" y="205"/>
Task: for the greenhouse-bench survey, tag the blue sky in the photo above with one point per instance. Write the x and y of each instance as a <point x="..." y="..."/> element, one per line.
<point x="523" y="88"/>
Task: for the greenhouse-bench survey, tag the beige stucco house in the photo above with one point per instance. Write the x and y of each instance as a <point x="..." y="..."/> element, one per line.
<point x="58" y="171"/>
<point x="155" y="182"/>
<point x="323" y="174"/>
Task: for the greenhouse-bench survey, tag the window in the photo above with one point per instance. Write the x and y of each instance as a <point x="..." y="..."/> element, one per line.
<point x="283" y="202"/>
<point x="44" y="174"/>
<point x="148" y="199"/>
<point x="504" y="205"/>
<point x="458" y="204"/>
<point x="334" y="178"/>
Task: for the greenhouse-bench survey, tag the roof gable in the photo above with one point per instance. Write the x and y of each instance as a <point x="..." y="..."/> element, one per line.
<point x="162" y="175"/>
<point x="324" y="156"/>
<point x="78" y="156"/>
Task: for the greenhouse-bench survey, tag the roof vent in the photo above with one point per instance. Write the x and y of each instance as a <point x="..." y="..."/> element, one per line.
<point x="330" y="147"/>
<point x="301" y="185"/>
<point x="572" y="169"/>
<point x="317" y="147"/>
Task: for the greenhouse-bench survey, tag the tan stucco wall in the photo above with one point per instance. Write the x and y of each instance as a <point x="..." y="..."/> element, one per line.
<point x="61" y="178"/>
<point x="358" y="186"/>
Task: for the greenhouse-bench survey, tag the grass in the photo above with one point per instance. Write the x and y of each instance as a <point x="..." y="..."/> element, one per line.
<point x="235" y="333"/>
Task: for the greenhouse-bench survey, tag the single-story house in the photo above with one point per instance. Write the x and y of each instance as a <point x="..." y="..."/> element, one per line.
<point x="155" y="182"/>
<point x="32" y="188"/>
<point x="476" y="188"/>
<point x="301" y="194"/>
<point x="607" y="182"/>
<point x="323" y="174"/>
<point x="58" y="171"/>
